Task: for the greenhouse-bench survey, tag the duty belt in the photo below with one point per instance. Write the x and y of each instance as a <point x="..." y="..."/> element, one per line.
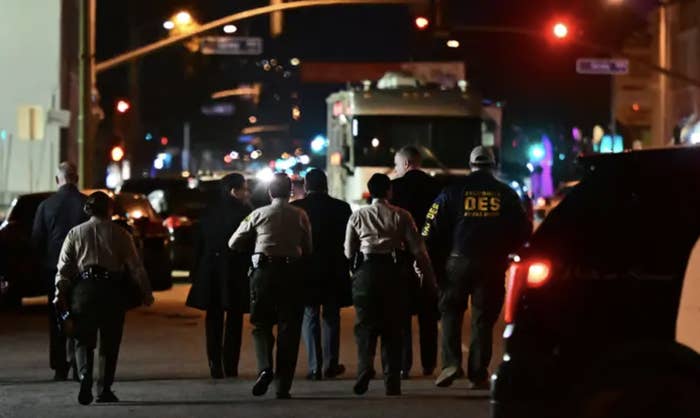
<point x="95" y="273"/>
<point x="392" y="256"/>
<point x="260" y="259"/>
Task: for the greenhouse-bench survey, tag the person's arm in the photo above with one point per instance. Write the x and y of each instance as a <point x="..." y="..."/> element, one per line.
<point x="352" y="239"/>
<point x="245" y="234"/>
<point x="67" y="269"/>
<point x="415" y="244"/>
<point x="306" y="240"/>
<point x="136" y="270"/>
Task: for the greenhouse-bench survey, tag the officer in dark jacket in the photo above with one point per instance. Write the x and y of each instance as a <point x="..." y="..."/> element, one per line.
<point x="481" y="220"/>
<point x="219" y="276"/>
<point x="54" y="218"/>
<point x="415" y="190"/>
<point x="329" y="279"/>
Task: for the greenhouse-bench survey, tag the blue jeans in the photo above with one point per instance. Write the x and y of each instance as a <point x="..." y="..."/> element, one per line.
<point x="315" y="345"/>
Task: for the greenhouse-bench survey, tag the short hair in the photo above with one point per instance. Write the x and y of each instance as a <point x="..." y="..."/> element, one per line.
<point x="98" y="204"/>
<point x="411" y="154"/>
<point x="316" y="181"/>
<point x="232" y="181"/>
<point x="379" y="185"/>
<point x="67" y="171"/>
<point x="280" y="186"/>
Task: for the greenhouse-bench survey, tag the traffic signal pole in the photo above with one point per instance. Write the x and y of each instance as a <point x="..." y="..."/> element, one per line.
<point x="86" y="74"/>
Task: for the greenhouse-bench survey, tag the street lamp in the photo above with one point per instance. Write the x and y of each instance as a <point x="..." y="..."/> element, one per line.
<point x="183" y="18"/>
<point x="560" y="30"/>
<point x="421" y="22"/>
<point x="453" y="43"/>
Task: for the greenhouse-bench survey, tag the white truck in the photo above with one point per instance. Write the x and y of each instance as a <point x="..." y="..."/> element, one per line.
<point x="367" y="124"/>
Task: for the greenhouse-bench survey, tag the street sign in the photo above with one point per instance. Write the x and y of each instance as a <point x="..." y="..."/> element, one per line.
<point x="603" y="66"/>
<point x="231" y="45"/>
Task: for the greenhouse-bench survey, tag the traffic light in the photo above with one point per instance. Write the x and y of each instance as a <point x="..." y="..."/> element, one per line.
<point x="117" y="153"/>
<point x="123" y="106"/>
<point x="560" y="30"/>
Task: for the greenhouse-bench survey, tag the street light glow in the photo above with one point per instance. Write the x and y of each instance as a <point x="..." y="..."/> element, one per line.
<point x="123" y="106"/>
<point x="422" y="22"/>
<point x="295" y="62"/>
<point x="560" y="30"/>
<point x="183" y="18"/>
<point x="230" y="29"/>
<point x="453" y="43"/>
<point x="169" y="25"/>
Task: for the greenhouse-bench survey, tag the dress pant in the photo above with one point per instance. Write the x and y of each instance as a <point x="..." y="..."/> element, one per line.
<point x="61" y="348"/>
<point x="322" y="347"/>
<point x="223" y="331"/>
<point x="485" y="285"/>
<point x="275" y="299"/>
<point x="380" y="310"/>
<point x="102" y="315"/>
<point x="428" y="334"/>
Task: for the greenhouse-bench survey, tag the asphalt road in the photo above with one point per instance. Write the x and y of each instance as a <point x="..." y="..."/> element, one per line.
<point x="162" y="372"/>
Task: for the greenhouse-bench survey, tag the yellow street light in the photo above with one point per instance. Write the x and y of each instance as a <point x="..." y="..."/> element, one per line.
<point x="183" y="18"/>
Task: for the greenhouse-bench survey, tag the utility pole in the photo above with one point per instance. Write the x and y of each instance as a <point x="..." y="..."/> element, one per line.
<point x="86" y="132"/>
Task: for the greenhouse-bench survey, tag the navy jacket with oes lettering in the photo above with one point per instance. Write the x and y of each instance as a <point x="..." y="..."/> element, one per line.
<point x="480" y="218"/>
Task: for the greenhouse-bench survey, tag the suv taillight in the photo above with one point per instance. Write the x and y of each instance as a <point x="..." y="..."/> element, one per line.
<point x="532" y="273"/>
<point x="174" y="222"/>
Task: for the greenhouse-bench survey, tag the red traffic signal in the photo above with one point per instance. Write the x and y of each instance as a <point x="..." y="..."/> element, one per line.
<point x="123" y="106"/>
<point x="422" y="22"/>
<point x="117" y="154"/>
<point x="560" y="30"/>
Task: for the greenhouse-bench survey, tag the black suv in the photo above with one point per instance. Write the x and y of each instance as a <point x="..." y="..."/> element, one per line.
<point x="591" y="303"/>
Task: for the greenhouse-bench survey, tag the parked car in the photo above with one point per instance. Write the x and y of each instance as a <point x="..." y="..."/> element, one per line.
<point x="18" y="263"/>
<point x="592" y="302"/>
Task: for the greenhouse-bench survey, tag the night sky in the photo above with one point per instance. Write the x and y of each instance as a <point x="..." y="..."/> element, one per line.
<point x="535" y="78"/>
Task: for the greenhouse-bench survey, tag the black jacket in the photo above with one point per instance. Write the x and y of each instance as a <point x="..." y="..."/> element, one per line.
<point x="415" y="192"/>
<point x="54" y="217"/>
<point x="480" y="218"/>
<point x="219" y="275"/>
<point x="329" y="268"/>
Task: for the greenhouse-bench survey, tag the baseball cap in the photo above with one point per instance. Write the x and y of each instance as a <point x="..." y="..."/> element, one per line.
<point x="482" y="156"/>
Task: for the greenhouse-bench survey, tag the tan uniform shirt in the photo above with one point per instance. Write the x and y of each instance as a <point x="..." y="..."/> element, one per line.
<point x="103" y="243"/>
<point x="277" y="230"/>
<point x="382" y="228"/>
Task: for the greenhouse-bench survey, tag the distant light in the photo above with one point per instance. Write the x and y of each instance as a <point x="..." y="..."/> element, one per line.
<point x="453" y="43"/>
<point x="3" y="135"/>
<point x="576" y="133"/>
<point x="169" y="25"/>
<point x="230" y="29"/>
<point x="421" y="22"/>
<point x="318" y="144"/>
<point x="530" y="167"/>
<point x="164" y="140"/>
<point x="336" y="158"/>
<point x="183" y="18"/>
<point x="375" y="142"/>
<point x="537" y="152"/>
<point x="635" y="107"/>
<point x="149" y="136"/>
<point x="355" y="127"/>
<point x="185" y="174"/>
<point x="560" y="30"/>
<point x="562" y="156"/>
<point x="256" y="154"/>
<point x="514" y="184"/>
<point x="695" y="137"/>
<point x="136" y="214"/>
<point x="295" y="62"/>
<point x="296" y="113"/>
<point x="265" y="175"/>
<point x="123" y="106"/>
<point x="252" y="120"/>
<point x="267" y="67"/>
<point x="228" y="159"/>
<point x="234" y="155"/>
<point x="158" y="163"/>
<point x="304" y="159"/>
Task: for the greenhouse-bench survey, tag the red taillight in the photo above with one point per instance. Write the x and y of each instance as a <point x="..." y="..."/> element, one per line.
<point x="532" y="274"/>
<point x="538" y="274"/>
<point x="174" y="222"/>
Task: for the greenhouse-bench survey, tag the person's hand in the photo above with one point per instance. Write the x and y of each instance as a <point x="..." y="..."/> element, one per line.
<point x="148" y="300"/>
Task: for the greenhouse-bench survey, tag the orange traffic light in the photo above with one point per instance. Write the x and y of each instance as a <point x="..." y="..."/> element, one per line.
<point x="422" y="22"/>
<point x="123" y="106"/>
<point x="560" y="30"/>
<point x="117" y="153"/>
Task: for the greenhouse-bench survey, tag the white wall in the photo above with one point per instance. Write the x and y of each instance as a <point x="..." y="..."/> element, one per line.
<point x="29" y="75"/>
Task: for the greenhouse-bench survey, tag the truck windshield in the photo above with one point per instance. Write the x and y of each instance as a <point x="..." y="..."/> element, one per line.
<point x="449" y="139"/>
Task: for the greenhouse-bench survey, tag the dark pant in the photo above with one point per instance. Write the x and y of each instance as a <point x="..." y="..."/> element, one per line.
<point x="103" y="314"/>
<point x="428" y="333"/>
<point x="322" y="347"/>
<point x="61" y="348"/>
<point x="224" y="333"/>
<point x="485" y="285"/>
<point x="275" y="300"/>
<point x="380" y="310"/>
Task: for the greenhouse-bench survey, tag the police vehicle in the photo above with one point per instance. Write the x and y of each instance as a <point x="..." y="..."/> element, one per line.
<point x="592" y="304"/>
<point x="367" y="124"/>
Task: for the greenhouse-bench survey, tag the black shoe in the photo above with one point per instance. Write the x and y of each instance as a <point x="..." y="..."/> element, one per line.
<point x="334" y="372"/>
<point x="393" y="391"/>
<point x="264" y="379"/>
<point x="314" y="375"/>
<point x="216" y="373"/>
<point x="428" y="371"/>
<point x="283" y="395"/>
<point x="107" y="396"/>
<point x="405" y="374"/>
<point x="480" y="385"/>
<point x="85" y="394"/>
<point x="362" y="383"/>
<point x="447" y="377"/>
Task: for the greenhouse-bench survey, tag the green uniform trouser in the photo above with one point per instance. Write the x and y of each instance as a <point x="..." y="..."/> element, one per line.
<point x="275" y="290"/>
<point x="484" y="283"/>
<point x="98" y="308"/>
<point x="380" y="309"/>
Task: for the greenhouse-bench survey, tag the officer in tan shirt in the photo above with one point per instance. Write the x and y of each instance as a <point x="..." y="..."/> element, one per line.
<point x="379" y="231"/>
<point x="90" y="267"/>
<point x="280" y="235"/>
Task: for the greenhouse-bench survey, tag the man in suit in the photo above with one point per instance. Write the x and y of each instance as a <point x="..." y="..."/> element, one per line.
<point x="329" y="279"/>
<point x="54" y="218"/>
<point x="220" y="277"/>
<point x="414" y="190"/>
